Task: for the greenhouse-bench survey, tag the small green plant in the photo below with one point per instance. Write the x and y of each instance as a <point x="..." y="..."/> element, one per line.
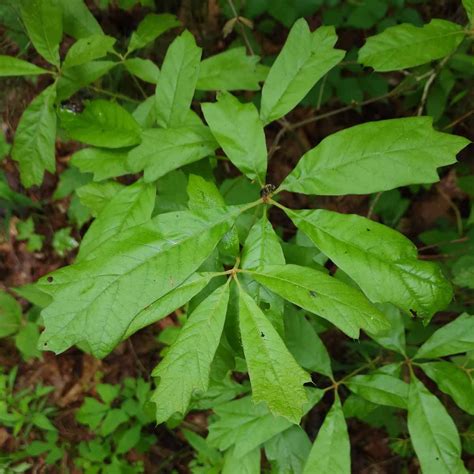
<point x="23" y="411"/>
<point x="117" y="420"/>
<point x="26" y="231"/>
<point x="24" y="329"/>
<point x="177" y="236"/>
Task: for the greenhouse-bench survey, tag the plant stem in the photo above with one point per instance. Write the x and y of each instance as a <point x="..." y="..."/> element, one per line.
<point x="242" y="27"/>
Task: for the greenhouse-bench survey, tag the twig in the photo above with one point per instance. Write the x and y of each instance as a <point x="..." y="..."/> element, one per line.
<point x="352" y="106"/>
<point x="460" y="119"/>
<point x="426" y="91"/>
<point x="455" y="209"/>
<point x="373" y="204"/>
<point x="454" y="241"/>
<point x="321" y="91"/>
<point x="241" y="26"/>
<point x="115" y="95"/>
<point x="429" y="83"/>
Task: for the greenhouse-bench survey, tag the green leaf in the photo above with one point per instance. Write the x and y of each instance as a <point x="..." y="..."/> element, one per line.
<point x="239" y="131"/>
<point x="33" y="294"/>
<point x="231" y="70"/>
<point x="26" y="340"/>
<point x="144" y="69"/>
<point x="10" y="66"/>
<point x="107" y="392"/>
<point x="203" y="194"/>
<point x="103" y="163"/>
<point x="463" y="271"/>
<point x="319" y="293"/>
<point x="453" y="380"/>
<point x="44" y="24"/>
<point x="150" y="28"/>
<point x="248" y="464"/>
<point x="113" y="419"/>
<point x="305" y="344"/>
<point x="289" y="450"/>
<point x="91" y="412"/>
<point x="433" y="433"/>
<point x="132" y="206"/>
<point x="469" y="7"/>
<point x="453" y="338"/>
<point x="177" y="81"/>
<point x="78" y="21"/>
<point x="305" y="58"/>
<point x="187" y="365"/>
<point x="375" y="156"/>
<point x="166" y="149"/>
<point x="404" y="46"/>
<point x="10" y="315"/>
<point x="245" y="425"/>
<point x="63" y="241"/>
<point x="129" y="439"/>
<point x="275" y="376"/>
<point x="262" y="247"/>
<point x="95" y="196"/>
<point x="87" y="49"/>
<point x="103" y="124"/>
<point x="130" y="272"/>
<point x="380" y="389"/>
<point x="394" y="337"/>
<point x="34" y="145"/>
<point x="41" y="421"/>
<point x="380" y="260"/>
<point x="75" y="78"/>
<point x="168" y="303"/>
<point x="331" y="450"/>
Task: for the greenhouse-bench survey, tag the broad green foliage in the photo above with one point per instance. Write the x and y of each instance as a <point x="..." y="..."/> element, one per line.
<point x="262" y="247"/>
<point x="275" y="376"/>
<point x="289" y="449"/>
<point x="78" y="21"/>
<point x="103" y="124"/>
<point x="10" y="315"/>
<point x="43" y="22"/>
<point x="168" y="303"/>
<point x="254" y="300"/>
<point x="453" y="380"/>
<point x="77" y="77"/>
<point x="244" y="425"/>
<point x="454" y="338"/>
<point x="375" y="156"/>
<point x="145" y="69"/>
<point x="380" y="260"/>
<point x="103" y="163"/>
<point x="433" y="433"/>
<point x="179" y="242"/>
<point x="304" y="59"/>
<point x="342" y="305"/>
<point x="10" y="66"/>
<point x="165" y="149"/>
<point x="331" y="450"/>
<point x="239" y="131"/>
<point x="87" y="49"/>
<point x="469" y="7"/>
<point x="130" y="207"/>
<point x="231" y="70"/>
<point x="405" y="46"/>
<point x="380" y="389"/>
<point x="204" y="326"/>
<point x="178" y="78"/>
<point x="33" y="147"/>
<point x="150" y="28"/>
